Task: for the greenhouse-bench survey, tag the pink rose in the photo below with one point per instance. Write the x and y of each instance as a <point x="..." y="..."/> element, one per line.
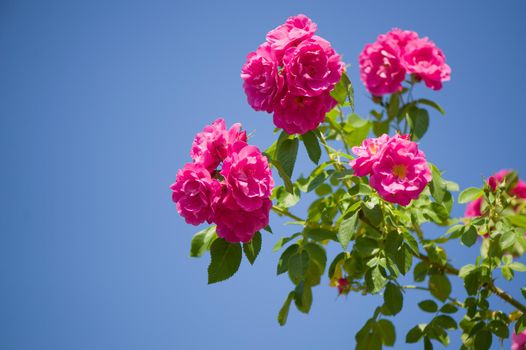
<point x="401" y="172"/>
<point x="380" y="68"/>
<point x="399" y="36"/>
<point x="312" y="67"/>
<point x="298" y="114"/>
<point x="427" y="62"/>
<point x="367" y="154"/>
<point x="195" y="193"/>
<point x="237" y="225"/>
<point x="473" y="208"/>
<point x="294" y="30"/>
<point x="247" y="176"/>
<point x="262" y="80"/>
<point x="518" y="341"/>
<point x="519" y="190"/>
<point x="210" y="146"/>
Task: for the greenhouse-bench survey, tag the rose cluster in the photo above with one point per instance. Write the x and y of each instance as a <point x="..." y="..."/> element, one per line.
<point x="384" y="63"/>
<point x="235" y="197"/>
<point x="398" y="169"/>
<point x="292" y="75"/>
<point x="474" y="208"/>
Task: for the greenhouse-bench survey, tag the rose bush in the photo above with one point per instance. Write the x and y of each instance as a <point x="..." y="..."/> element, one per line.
<point x="374" y="204"/>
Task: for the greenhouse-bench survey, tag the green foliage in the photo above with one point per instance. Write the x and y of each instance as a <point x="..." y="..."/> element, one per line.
<point x="252" y="248"/>
<point x="312" y="145"/>
<point x="469" y="194"/>
<point x="226" y="258"/>
<point x="202" y="241"/>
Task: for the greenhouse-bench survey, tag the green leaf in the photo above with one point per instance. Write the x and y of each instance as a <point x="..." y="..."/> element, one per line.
<point x="252" y="248"/>
<point x="356" y="121"/>
<point x="418" y="122"/>
<point x="499" y="328"/>
<point x="469" y="237"/>
<point x="466" y="270"/>
<point x="430" y="103"/>
<point x="347" y="230"/>
<point x="284" y="240"/>
<point x="523" y="291"/>
<point x="374" y="279"/>
<point x="415" y="334"/>
<point x="374" y="214"/>
<point x="283" y="263"/>
<point x="303" y="297"/>
<point x="520" y="324"/>
<point x="226" y="258"/>
<point x="440" y="287"/>
<point x="342" y="90"/>
<point x="298" y="264"/>
<point x="284" y="311"/>
<point x="283" y="174"/>
<point x="427" y="344"/>
<point x="202" y="241"/>
<point x="507" y="273"/>
<point x="312" y="145"/>
<point x="404" y="259"/>
<point x="286" y="152"/>
<point x="393" y="300"/>
<point x="428" y="306"/>
<point x="446" y="322"/>
<point x="394" y="103"/>
<point x="483" y="340"/>
<point x="449" y="309"/>
<point x="316" y="265"/>
<point x="469" y="194"/>
<point x="517" y="266"/>
<point x="387" y="331"/>
<point x="284" y="198"/>
<point x="518" y="220"/>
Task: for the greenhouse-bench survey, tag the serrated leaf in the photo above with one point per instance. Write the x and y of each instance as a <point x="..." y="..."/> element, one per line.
<point x="469" y="194"/>
<point x="202" y="241"/>
<point x="446" y="322"/>
<point x="428" y="306"/>
<point x="283" y="263"/>
<point x="469" y="237"/>
<point x="440" y="287"/>
<point x="449" y="309"/>
<point x="430" y="103"/>
<point x="284" y="240"/>
<point x="347" y="230"/>
<point x="387" y="331"/>
<point x="418" y="121"/>
<point x="226" y="258"/>
<point x="414" y="334"/>
<point x="312" y="145"/>
<point x="298" y="264"/>
<point x="252" y="248"/>
<point x="286" y="152"/>
<point x="517" y="266"/>
<point x="284" y="311"/>
<point x="483" y="340"/>
<point x="393" y="299"/>
<point x="303" y="297"/>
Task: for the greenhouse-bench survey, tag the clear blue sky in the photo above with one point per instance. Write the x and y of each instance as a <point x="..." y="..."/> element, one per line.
<point x="100" y="101"/>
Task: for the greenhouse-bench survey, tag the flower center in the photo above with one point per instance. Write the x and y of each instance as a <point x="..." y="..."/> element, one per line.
<point x="400" y="171"/>
<point x="299" y="100"/>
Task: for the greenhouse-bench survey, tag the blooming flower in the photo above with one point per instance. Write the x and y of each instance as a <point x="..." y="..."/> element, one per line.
<point x="401" y="172"/>
<point x="300" y="114"/>
<point x="195" y="193"/>
<point x="312" y="67"/>
<point x="518" y="341"/>
<point x="247" y="176"/>
<point x="427" y="62"/>
<point x="380" y="68"/>
<point x="210" y="146"/>
<point x="473" y="208"/>
<point x="367" y="154"/>
<point x="293" y="31"/>
<point x="399" y="36"/>
<point x="235" y="224"/>
<point x="262" y="80"/>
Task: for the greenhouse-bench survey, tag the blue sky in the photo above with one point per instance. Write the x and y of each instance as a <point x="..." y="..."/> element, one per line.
<point x="100" y="102"/>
